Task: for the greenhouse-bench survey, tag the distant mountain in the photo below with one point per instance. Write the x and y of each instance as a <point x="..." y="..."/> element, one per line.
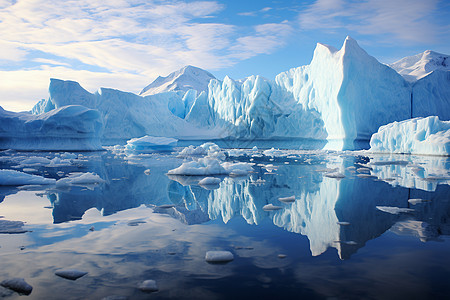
<point x="184" y="79"/>
<point x="415" y="67"/>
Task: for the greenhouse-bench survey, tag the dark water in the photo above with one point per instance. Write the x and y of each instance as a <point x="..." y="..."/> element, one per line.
<point x="337" y="243"/>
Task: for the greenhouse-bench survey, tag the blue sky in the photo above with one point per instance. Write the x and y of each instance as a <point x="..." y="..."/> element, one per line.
<point x="126" y="44"/>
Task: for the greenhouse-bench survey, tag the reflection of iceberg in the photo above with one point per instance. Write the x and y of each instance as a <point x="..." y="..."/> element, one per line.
<point x="420" y="172"/>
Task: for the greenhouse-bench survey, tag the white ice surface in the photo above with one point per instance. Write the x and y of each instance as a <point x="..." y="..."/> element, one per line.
<point x="12" y="177"/>
<point x="219" y="256"/>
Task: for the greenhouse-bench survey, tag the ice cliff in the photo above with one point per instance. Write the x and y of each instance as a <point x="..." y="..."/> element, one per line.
<point x="71" y="127"/>
<point x="342" y="96"/>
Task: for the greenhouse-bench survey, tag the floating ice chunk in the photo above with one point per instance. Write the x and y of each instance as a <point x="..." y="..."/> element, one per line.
<point x="414" y="136"/>
<point x="271" y="207"/>
<point x="389" y="162"/>
<point x="273" y="152"/>
<point x="363" y="170"/>
<point x="210" y="181"/>
<point x="212" y="166"/>
<point x="12" y="177"/>
<point x="18" y="285"/>
<point x="147" y="172"/>
<point x="394" y="210"/>
<point x="237" y="169"/>
<point x="29" y="170"/>
<point x="193" y="151"/>
<point x="80" y="179"/>
<point x="255" y="148"/>
<point x="166" y="206"/>
<point x="151" y="143"/>
<point x="71" y="274"/>
<point x="11" y="226"/>
<point x="416" y="201"/>
<point x="282" y="255"/>
<point x="336" y="175"/>
<point x="148" y="286"/>
<point x="343" y="223"/>
<point x="287" y="199"/>
<point x="219" y="256"/>
<point x="365" y="176"/>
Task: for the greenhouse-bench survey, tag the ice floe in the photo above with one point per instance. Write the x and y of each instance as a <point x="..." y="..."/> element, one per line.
<point x="219" y="256"/>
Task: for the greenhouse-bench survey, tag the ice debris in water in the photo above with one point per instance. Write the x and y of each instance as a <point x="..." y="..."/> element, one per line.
<point x="343" y="223"/>
<point x="147" y="172"/>
<point x="219" y="256"/>
<point x="270" y="207"/>
<point x="336" y="175"/>
<point x="394" y="210"/>
<point x="12" y="177"/>
<point x="209" y="181"/>
<point x="151" y="143"/>
<point x="148" y="286"/>
<point x="71" y="274"/>
<point x="11" y="227"/>
<point x="18" y="285"/>
<point x="416" y="201"/>
<point x="80" y="179"/>
<point x="287" y="199"/>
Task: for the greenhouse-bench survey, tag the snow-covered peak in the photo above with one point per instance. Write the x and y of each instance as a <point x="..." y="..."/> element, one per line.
<point x="188" y="77"/>
<point x="412" y="68"/>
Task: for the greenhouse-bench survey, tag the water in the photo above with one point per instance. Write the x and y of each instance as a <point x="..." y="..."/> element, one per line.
<point x="337" y="243"/>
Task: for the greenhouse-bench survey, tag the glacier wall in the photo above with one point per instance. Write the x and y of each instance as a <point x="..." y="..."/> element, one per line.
<point x="70" y="127"/>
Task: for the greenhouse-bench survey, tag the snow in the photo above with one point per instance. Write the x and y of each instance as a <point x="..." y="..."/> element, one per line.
<point x="219" y="256"/>
<point x="12" y="177"/>
<point x="415" y="67"/>
<point x="18" y="285"/>
<point x="71" y="274"/>
<point x="187" y="78"/>
<point x="148" y="286"/>
<point x="151" y="143"/>
<point x="71" y="127"/>
<point x="415" y="136"/>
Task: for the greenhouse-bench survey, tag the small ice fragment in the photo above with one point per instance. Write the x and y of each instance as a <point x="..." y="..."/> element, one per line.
<point x="71" y="274"/>
<point x="415" y="201"/>
<point x="282" y="255"/>
<point x="269" y="207"/>
<point x="363" y="170"/>
<point x="343" y="223"/>
<point x="336" y="175"/>
<point x="166" y="206"/>
<point x="59" y="173"/>
<point x="209" y="181"/>
<point x="148" y="286"/>
<point x="147" y="172"/>
<point x="287" y="199"/>
<point x="365" y="176"/>
<point x="219" y="256"/>
<point x="394" y="210"/>
<point x="255" y="148"/>
<point x="17" y="285"/>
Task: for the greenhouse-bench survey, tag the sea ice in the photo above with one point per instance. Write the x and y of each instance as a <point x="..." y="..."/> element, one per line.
<point x="80" y="179"/>
<point x="287" y="199"/>
<point x="71" y="274"/>
<point x="219" y="256"/>
<point x="12" y="177"/>
<point x="336" y="175"/>
<point x="394" y="210"/>
<point x="11" y="227"/>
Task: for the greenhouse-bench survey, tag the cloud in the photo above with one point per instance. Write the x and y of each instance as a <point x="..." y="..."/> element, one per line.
<point x="135" y="38"/>
<point x="255" y="12"/>
<point x="405" y="20"/>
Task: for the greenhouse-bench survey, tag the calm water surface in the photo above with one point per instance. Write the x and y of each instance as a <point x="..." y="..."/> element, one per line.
<point x="335" y="242"/>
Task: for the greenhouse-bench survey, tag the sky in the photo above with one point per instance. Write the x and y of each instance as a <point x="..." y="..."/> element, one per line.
<point x="126" y="44"/>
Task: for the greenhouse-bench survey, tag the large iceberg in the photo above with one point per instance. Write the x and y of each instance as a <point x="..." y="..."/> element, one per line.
<point x="416" y="136"/>
<point x="71" y="127"/>
<point x="342" y="96"/>
<point x="126" y="115"/>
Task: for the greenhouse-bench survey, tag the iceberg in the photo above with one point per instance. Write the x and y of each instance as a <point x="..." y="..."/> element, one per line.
<point x="415" y="136"/>
<point x="185" y="79"/>
<point x="71" y="127"/>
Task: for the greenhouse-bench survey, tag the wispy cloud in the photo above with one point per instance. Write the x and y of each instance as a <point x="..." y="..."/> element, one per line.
<point x="405" y="20"/>
<point x="140" y="38"/>
<point x="255" y="12"/>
